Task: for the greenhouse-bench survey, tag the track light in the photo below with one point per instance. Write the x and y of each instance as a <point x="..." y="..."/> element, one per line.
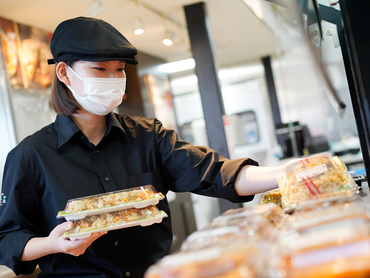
<point x="138" y="23"/>
<point x="96" y="8"/>
<point x="168" y="38"/>
<point x="138" y="27"/>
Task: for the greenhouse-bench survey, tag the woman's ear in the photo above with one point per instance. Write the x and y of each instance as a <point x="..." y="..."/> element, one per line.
<point x="61" y="72"/>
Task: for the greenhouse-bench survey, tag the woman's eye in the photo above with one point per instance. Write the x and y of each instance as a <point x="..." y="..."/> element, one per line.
<point x="100" y="69"/>
<point x="121" y="69"/>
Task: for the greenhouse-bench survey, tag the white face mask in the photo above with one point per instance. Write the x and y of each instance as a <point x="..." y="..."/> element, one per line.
<point x="100" y="95"/>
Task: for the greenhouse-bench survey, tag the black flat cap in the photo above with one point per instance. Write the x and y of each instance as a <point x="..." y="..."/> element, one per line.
<point x="90" y="39"/>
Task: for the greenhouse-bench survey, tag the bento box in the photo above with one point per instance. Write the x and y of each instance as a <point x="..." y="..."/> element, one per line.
<point x="116" y="220"/>
<point x="137" y="197"/>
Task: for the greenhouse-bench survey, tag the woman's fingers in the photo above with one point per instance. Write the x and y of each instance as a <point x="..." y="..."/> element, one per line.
<point x="79" y="246"/>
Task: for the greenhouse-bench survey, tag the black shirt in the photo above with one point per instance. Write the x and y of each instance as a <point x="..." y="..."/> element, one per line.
<point x="58" y="163"/>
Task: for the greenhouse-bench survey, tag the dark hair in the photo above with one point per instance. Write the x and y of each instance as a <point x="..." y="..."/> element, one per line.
<point x="62" y="99"/>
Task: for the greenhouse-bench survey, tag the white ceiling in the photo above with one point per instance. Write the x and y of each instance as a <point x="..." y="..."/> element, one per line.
<point x="238" y="35"/>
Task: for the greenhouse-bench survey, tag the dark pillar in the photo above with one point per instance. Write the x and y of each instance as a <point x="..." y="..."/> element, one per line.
<point x="272" y="91"/>
<point x="132" y="103"/>
<point x="356" y="25"/>
<point x="210" y="92"/>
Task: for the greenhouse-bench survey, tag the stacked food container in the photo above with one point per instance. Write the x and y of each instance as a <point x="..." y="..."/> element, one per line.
<point x="113" y="210"/>
<point x="316" y="225"/>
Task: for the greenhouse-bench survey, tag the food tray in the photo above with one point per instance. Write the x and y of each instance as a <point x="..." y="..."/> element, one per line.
<point x="119" y="220"/>
<point x="137" y="197"/>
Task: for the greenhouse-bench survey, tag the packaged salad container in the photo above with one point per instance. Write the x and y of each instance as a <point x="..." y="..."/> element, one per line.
<point x="271" y="196"/>
<point x="137" y="197"/>
<point x="339" y="248"/>
<point x="237" y="259"/>
<point x="318" y="176"/>
<point x="116" y="220"/>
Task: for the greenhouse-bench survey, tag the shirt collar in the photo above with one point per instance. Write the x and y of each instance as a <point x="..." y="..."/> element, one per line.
<point x="66" y="128"/>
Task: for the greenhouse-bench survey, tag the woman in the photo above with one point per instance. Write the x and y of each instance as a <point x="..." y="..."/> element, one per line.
<point x="90" y="150"/>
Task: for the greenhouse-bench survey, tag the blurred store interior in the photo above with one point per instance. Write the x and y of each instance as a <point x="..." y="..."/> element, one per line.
<point x="275" y="104"/>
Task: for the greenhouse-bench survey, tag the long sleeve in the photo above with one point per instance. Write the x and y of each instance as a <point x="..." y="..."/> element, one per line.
<point x="18" y="215"/>
<point x="200" y="170"/>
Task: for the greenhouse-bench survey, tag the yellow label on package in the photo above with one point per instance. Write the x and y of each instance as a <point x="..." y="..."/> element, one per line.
<point x="314" y="171"/>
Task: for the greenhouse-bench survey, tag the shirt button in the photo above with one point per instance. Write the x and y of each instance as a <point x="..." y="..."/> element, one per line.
<point x="128" y="274"/>
<point x="116" y="243"/>
<point x="97" y="151"/>
<point x="107" y="179"/>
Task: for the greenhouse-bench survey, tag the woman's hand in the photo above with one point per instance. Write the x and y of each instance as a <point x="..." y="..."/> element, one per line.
<point x="41" y="246"/>
<point x="74" y="248"/>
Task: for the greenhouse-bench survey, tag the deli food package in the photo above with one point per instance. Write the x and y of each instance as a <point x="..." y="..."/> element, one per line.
<point x="257" y="223"/>
<point x="271" y="196"/>
<point x="137" y="197"/>
<point x="237" y="259"/>
<point x="322" y="213"/>
<point x="271" y="212"/>
<point x="318" y="176"/>
<point x="116" y="220"/>
<point x="337" y="248"/>
<point x="206" y="238"/>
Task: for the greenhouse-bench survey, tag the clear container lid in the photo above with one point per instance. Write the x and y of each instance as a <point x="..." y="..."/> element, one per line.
<point x="318" y="176"/>
<point x="271" y="196"/>
<point x="137" y="197"/>
<point x="312" y="214"/>
<point x="237" y="259"/>
<point x="270" y="211"/>
<point x="116" y="220"/>
<point x="201" y="239"/>
<point x="329" y="253"/>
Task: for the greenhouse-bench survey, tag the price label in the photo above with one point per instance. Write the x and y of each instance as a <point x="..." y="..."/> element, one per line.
<point x="314" y="171"/>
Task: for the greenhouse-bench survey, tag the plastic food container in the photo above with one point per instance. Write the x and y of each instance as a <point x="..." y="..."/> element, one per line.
<point x="237" y="259"/>
<point x="336" y="249"/>
<point x="272" y="196"/>
<point x="321" y="214"/>
<point x="271" y="212"/>
<point x="116" y="220"/>
<point x="318" y="176"/>
<point x="201" y="239"/>
<point x="137" y="197"/>
<point x="253" y="226"/>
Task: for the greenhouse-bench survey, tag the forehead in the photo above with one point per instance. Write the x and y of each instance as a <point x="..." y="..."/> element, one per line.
<point x="102" y="63"/>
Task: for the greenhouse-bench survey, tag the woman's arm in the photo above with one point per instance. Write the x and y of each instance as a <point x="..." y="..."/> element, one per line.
<point x="252" y="179"/>
<point x="38" y="247"/>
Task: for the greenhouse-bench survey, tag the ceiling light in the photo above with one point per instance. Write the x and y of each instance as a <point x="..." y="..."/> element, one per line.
<point x="168" y="38"/>
<point x="96" y="8"/>
<point x="138" y="23"/>
<point x="138" y="27"/>
<point x="177" y="66"/>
